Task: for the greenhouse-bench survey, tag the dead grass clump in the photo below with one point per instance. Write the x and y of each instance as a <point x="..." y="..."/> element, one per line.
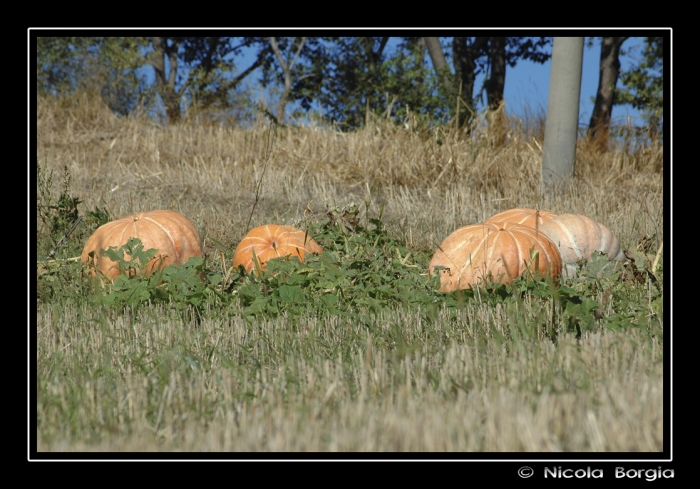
<point x="616" y="164"/>
<point x="84" y="110"/>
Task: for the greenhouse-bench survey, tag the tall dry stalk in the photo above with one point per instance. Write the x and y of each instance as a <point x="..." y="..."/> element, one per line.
<point x="272" y="132"/>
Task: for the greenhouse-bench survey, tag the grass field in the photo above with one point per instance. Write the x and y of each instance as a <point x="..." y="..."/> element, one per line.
<point x="355" y="350"/>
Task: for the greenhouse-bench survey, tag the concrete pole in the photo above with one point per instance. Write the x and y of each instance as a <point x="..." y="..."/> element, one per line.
<point x="561" y="125"/>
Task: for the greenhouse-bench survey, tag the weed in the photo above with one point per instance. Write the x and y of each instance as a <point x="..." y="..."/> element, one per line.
<point x="60" y="217"/>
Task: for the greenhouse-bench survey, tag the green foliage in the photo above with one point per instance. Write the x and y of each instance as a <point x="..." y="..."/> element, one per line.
<point x="138" y="257"/>
<point x="108" y="66"/>
<point x="62" y="282"/>
<point x="56" y="214"/>
<point x="180" y="285"/>
<point x="59" y="216"/>
<point x="643" y="84"/>
<point x="363" y="273"/>
<point x="618" y="296"/>
<point x="60" y="63"/>
<point x="353" y="77"/>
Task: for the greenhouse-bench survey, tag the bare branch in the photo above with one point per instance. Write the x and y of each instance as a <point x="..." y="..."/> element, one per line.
<point x="278" y="54"/>
<point x="296" y="56"/>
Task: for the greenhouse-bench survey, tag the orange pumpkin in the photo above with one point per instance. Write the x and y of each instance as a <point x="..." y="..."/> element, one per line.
<point x="493" y="252"/>
<point x="273" y="241"/>
<point x="528" y="217"/>
<point x="172" y="234"/>
<point x="578" y="236"/>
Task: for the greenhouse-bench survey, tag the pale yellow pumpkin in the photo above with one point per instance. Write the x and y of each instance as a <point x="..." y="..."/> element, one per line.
<point x="577" y="237"/>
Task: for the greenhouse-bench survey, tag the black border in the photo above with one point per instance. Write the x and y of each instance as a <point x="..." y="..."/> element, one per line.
<point x="507" y="464"/>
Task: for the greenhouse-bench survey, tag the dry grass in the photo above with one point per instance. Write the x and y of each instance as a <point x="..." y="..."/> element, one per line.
<point x="467" y="393"/>
<point x="209" y="173"/>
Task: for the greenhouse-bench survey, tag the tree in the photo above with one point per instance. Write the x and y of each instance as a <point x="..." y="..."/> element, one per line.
<point x="188" y="70"/>
<point x="106" y="66"/>
<point x="202" y="67"/>
<point x="60" y="62"/>
<point x="347" y="77"/>
<point x="166" y="75"/>
<point x="496" y="81"/>
<point x="439" y="60"/>
<point x="599" y="125"/>
<point x="287" y="58"/>
<point x="473" y="55"/>
<point x="351" y="77"/>
<point x="643" y="84"/>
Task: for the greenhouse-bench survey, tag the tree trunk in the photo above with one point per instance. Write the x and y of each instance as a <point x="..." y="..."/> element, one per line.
<point x="371" y="56"/>
<point x="166" y="81"/>
<point x="437" y="56"/>
<point x="494" y="85"/>
<point x="465" y="56"/>
<point x="419" y="49"/>
<point x="288" y="72"/>
<point x="497" y="79"/>
<point x="435" y="51"/>
<point x="599" y="126"/>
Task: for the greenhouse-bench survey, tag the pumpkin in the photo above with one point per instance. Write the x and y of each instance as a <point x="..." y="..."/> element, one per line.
<point x="578" y="236"/>
<point x="493" y="252"/>
<point x="172" y="234"/>
<point x="528" y="217"/>
<point x="273" y="241"/>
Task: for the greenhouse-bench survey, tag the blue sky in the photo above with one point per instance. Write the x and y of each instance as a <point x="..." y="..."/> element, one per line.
<point x="527" y="85"/>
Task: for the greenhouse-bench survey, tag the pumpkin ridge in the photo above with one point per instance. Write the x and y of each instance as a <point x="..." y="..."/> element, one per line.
<point x="482" y="243"/>
<point x="604" y="239"/>
<point x="491" y="247"/>
<point x="166" y="231"/>
<point x="460" y="245"/>
<point x="520" y="253"/>
<point x="547" y="253"/>
<point x="573" y="242"/>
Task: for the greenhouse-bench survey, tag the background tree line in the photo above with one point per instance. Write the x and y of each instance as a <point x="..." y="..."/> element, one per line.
<point x="345" y="78"/>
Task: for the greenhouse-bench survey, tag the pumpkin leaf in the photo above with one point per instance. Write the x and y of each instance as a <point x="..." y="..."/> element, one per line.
<point x="291" y="294"/>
